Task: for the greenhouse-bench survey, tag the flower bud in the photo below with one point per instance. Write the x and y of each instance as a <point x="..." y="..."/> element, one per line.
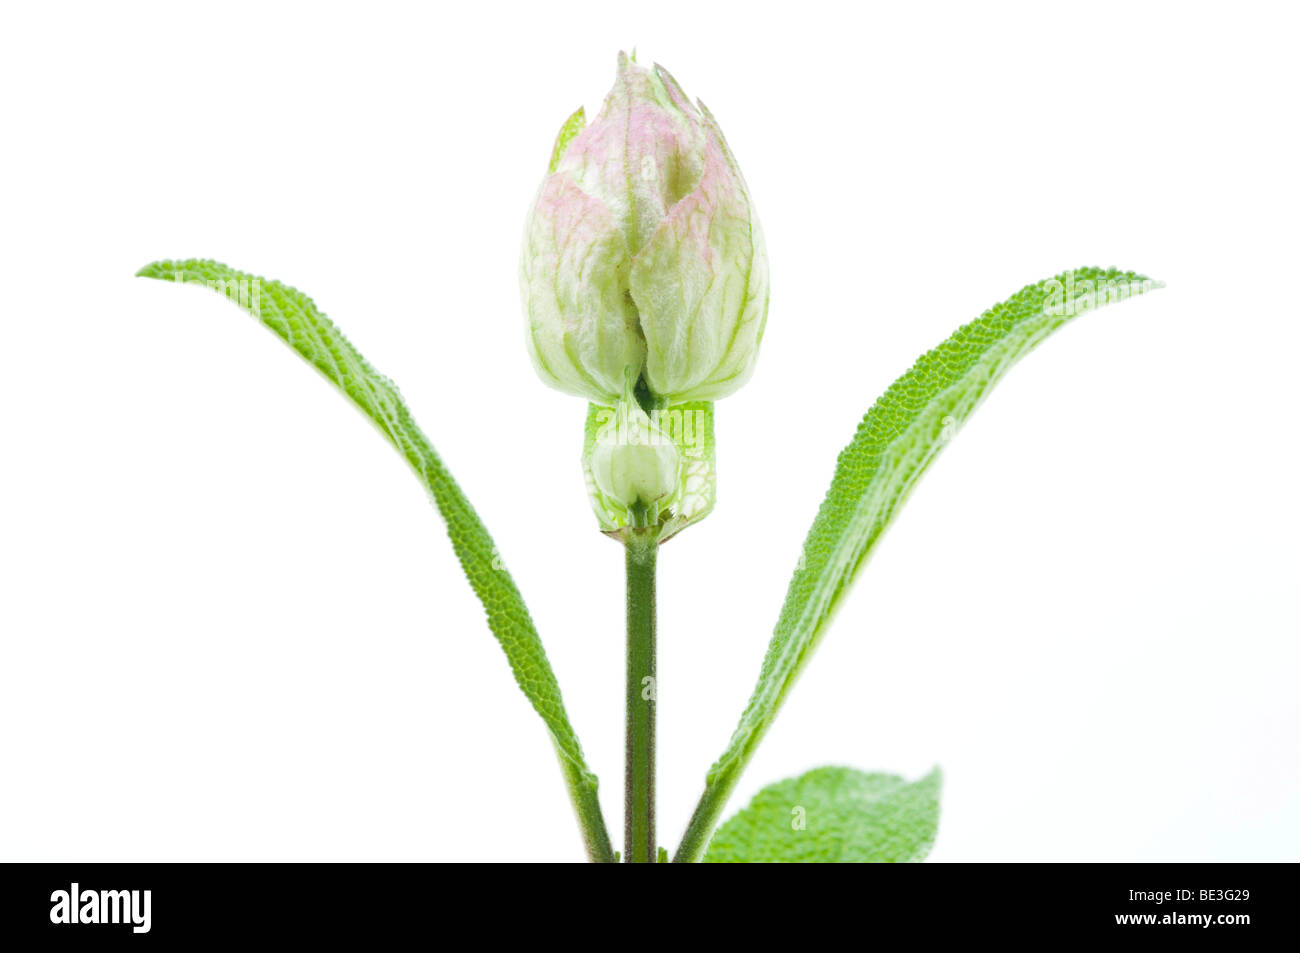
<point x="642" y="254"/>
<point x="633" y="462"/>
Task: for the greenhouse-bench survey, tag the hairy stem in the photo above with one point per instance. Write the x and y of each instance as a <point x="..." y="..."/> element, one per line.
<point x="639" y="817"/>
<point x="705" y="819"/>
<point x="586" y="805"/>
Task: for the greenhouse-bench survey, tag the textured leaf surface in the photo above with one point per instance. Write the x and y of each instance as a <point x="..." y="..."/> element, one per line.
<point x="897" y="440"/>
<point x="294" y="318"/>
<point x="833" y="815"/>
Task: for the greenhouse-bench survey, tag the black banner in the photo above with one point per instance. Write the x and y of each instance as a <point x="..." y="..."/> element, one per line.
<point x="137" y="904"/>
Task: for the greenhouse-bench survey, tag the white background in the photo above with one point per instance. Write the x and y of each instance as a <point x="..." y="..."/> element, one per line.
<point x="231" y="626"/>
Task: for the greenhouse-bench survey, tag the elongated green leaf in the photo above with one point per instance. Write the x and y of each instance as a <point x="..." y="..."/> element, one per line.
<point x="895" y="443"/>
<point x="830" y="816"/>
<point x="294" y="317"/>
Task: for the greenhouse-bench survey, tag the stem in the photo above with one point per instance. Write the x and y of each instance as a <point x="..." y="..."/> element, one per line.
<point x="586" y="805"/>
<point x="707" y="813"/>
<point x="639" y="817"/>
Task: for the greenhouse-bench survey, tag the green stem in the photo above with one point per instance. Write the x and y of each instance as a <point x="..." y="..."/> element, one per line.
<point x="707" y="813"/>
<point x="586" y="805"/>
<point x="639" y="817"/>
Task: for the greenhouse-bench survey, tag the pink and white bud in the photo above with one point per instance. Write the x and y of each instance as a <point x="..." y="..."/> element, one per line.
<point x="642" y="253"/>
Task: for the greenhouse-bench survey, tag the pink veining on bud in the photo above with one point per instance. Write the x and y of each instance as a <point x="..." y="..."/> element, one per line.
<point x="643" y="252"/>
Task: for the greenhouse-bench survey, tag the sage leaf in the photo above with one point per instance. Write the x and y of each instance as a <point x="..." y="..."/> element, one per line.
<point x="897" y="440"/>
<point x="833" y="815"/>
<point x="295" y="319"/>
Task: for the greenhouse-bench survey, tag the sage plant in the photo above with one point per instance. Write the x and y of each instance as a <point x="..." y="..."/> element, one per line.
<point x="644" y="281"/>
